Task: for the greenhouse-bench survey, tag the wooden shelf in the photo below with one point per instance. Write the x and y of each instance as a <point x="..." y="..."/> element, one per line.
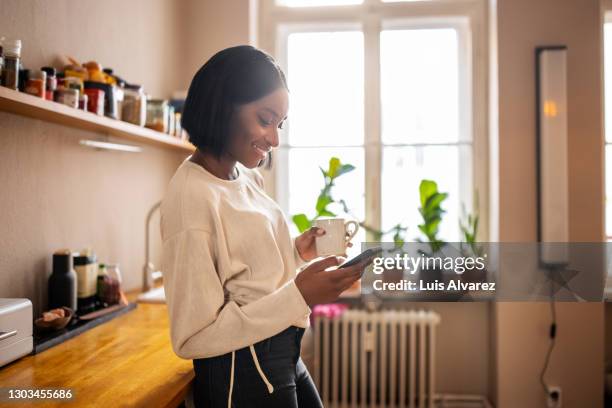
<point x="27" y="105"/>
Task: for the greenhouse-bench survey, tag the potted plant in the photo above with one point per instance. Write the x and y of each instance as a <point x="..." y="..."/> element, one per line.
<point x="431" y="211"/>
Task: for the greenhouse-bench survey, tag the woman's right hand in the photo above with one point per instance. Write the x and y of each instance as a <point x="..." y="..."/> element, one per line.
<point x="320" y="286"/>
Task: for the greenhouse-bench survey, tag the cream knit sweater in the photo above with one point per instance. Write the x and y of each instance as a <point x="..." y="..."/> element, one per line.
<point x="228" y="263"/>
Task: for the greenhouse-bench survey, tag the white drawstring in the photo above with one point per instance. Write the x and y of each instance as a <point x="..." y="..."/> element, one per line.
<point x="261" y="373"/>
<point x="229" y="398"/>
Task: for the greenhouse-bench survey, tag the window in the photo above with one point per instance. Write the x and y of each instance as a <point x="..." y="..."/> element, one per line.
<point x="389" y="89"/>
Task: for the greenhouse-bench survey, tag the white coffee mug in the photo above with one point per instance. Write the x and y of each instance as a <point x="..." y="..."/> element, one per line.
<point x="337" y="235"/>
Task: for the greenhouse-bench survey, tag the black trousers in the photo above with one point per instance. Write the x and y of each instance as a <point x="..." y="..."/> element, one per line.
<point x="279" y="359"/>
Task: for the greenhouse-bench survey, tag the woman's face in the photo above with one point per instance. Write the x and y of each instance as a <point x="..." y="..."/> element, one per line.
<point x="254" y="127"/>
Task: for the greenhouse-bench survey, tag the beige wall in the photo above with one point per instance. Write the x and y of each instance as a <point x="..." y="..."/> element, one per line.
<point x="56" y="193"/>
<point x="521" y="329"/>
<point x="60" y="194"/>
<point x="210" y="27"/>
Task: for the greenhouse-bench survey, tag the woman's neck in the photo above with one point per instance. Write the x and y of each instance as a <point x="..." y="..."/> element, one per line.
<point x="223" y="167"/>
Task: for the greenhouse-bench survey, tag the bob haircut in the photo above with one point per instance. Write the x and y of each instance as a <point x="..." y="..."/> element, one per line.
<point x="232" y="77"/>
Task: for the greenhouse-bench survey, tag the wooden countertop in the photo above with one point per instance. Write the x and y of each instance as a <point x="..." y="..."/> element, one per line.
<point x="126" y="362"/>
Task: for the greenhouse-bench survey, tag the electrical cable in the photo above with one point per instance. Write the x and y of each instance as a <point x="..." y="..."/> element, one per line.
<point x="552" y="335"/>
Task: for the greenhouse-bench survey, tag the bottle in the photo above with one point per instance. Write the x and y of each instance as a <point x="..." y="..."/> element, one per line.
<point x="102" y="276"/>
<point x="51" y="82"/>
<point x="86" y="267"/>
<point x="12" y="56"/>
<point x="37" y="84"/>
<point x="63" y="281"/>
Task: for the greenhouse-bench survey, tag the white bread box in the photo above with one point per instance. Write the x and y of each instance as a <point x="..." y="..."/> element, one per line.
<point x="16" y="324"/>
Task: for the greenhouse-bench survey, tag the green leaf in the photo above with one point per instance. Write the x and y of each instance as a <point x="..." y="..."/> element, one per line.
<point x="326" y="213"/>
<point x="334" y="165"/>
<point x="435" y="200"/>
<point x="426" y="189"/>
<point x="322" y="202"/>
<point x="302" y="222"/>
<point x="345" y="168"/>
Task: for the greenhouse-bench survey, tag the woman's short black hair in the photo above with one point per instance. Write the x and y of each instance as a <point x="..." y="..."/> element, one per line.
<point x="232" y="77"/>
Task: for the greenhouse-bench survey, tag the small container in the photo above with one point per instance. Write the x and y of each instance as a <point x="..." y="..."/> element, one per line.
<point x="51" y="82"/>
<point x="24" y="75"/>
<point x="157" y="115"/>
<point x="68" y="97"/>
<point x="95" y="103"/>
<point x="178" y="130"/>
<point x="134" y="107"/>
<point x="12" y="56"/>
<point x="83" y="102"/>
<point x="63" y="281"/>
<point x="171" y="120"/>
<point x="109" y="285"/>
<point x="110" y="101"/>
<point x="73" y="83"/>
<point x="86" y="267"/>
<point x="37" y="84"/>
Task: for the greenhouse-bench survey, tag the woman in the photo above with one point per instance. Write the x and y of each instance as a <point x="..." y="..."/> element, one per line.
<point x="236" y="305"/>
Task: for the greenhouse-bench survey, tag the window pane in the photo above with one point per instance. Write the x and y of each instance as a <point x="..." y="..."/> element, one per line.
<point x="314" y="3"/>
<point x="420" y="85"/>
<point x="306" y="182"/>
<point x="403" y="170"/>
<point x="325" y="75"/>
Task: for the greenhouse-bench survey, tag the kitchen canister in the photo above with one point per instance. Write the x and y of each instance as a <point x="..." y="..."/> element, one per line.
<point x="63" y="281"/>
<point x="86" y="268"/>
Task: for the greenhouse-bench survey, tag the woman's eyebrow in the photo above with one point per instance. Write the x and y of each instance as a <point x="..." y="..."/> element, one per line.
<point x="276" y="115"/>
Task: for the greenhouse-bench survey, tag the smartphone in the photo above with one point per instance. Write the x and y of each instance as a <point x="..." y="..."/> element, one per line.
<point x="368" y="254"/>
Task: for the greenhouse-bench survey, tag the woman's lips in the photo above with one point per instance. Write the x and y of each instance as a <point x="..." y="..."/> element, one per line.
<point x="260" y="150"/>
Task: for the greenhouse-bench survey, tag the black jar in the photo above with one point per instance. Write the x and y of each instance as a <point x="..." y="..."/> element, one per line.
<point x="63" y="282"/>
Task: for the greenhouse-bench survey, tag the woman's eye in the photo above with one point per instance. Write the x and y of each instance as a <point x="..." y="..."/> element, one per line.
<point x="265" y="122"/>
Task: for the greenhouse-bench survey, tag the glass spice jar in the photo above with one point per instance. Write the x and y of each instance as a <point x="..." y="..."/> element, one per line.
<point x="157" y="115"/>
<point x="12" y="56"/>
<point x="134" y="106"/>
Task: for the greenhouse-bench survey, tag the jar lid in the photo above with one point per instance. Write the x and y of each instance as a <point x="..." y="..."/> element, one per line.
<point x="12" y="47"/>
<point x="134" y="87"/>
<point x="80" y="259"/>
<point x="62" y="261"/>
<point x="49" y="70"/>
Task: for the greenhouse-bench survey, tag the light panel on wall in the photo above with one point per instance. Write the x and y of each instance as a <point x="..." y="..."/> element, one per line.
<point x="552" y="153"/>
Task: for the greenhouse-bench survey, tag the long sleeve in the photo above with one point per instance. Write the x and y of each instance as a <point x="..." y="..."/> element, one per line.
<point x="202" y="323"/>
<point x="299" y="262"/>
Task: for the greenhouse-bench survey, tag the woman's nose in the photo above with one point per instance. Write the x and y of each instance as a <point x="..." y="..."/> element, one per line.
<point x="273" y="139"/>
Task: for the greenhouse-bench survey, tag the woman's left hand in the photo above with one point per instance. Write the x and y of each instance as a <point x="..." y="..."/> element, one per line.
<point x="306" y="243"/>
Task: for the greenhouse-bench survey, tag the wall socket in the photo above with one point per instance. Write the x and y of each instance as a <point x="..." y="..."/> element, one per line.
<point x="554" y="397"/>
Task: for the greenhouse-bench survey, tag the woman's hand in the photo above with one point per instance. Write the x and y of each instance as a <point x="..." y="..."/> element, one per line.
<point x="306" y="243"/>
<point x="318" y="285"/>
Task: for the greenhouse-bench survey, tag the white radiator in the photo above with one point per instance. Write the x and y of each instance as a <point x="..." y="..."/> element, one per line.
<point x="376" y="360"/>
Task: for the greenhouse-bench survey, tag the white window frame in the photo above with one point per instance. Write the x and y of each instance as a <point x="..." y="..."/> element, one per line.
<point x="468" y="16"/>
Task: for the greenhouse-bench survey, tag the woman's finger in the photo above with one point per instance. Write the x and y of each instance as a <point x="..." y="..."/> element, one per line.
<point x="316" y="231"/>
